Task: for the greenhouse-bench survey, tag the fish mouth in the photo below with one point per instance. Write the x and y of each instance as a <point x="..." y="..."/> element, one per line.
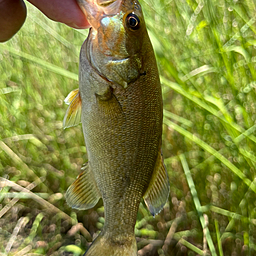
<point x="110" y="7"/>
<point x="120" y="60"/>
<point x="105" y="3"/>
<point x="117" y="59"/>
<point x="95" y="10"/>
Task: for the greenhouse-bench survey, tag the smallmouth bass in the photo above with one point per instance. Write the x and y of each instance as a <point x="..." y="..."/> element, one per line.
<point x="120" y="104"/>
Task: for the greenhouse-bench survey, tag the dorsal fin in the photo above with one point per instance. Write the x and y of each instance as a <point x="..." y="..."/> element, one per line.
<point x="158" y="189"/>
<point x="73" y="114"/>
<point x="83" y="193"/>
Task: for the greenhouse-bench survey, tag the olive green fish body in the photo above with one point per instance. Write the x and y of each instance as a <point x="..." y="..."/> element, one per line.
<point x="122" y="131"/>
<point x="121" y="117"/>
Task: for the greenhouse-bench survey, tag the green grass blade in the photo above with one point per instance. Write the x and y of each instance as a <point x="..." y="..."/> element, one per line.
<point x="56" y="35"/>
<point x="191" y="246"/>
<point x="197" y="203"/>
<point x="205" y="106"/>
<point x="218" y="237"/>
<point x="44" y="64"/>
<point x="227" y="213"/>
<point x="212" y="151"/>
<point x="33" y="230"/>
<point x="178" y="118"/>
<point x="237" y="140"/>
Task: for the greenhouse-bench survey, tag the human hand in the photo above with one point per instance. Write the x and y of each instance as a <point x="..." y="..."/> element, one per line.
<point x="13" y="14"/>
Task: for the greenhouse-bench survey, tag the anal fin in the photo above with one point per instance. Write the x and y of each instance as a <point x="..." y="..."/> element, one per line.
<point x="158" y="190"/>
<point x="83" y="193"/>
<point x="73" y="114"/>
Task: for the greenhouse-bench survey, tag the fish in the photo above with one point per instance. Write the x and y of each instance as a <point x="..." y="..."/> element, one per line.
<point x="119" y="103"/>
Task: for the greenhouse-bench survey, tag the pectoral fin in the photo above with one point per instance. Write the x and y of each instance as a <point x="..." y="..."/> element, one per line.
<point x="73" y="114"/>
<point x="83" y="193"/>
<point x="158" y="189"/>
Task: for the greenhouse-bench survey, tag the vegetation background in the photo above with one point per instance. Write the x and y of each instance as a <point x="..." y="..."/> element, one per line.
<point x="206" y="52"/>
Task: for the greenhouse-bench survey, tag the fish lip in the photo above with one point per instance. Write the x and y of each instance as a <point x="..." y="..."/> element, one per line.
<point x="112" y="7"/>
<point x="123" y="58"/>
<point x="95" y="10"/>
<point x="107" y="3"/>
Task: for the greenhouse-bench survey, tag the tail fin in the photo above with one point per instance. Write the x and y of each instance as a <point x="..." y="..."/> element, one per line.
<point x="106" y="245"/>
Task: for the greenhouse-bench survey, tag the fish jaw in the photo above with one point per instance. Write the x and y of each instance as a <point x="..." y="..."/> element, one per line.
<point x="110" y="7"/>
<point x="94" y="10"/>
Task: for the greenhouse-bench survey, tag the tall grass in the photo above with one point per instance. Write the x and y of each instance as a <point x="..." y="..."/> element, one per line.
<point x="206" y="57"/>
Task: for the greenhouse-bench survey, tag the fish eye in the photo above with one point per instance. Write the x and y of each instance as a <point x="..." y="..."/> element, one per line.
<point x="133" y="21"/>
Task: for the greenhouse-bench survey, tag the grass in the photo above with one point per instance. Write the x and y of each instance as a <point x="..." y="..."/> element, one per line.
<point x="206" y="52"/>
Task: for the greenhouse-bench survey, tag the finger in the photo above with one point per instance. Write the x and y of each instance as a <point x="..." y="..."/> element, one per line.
<point x="67" y="12"/>
<point x="12" y="16"/>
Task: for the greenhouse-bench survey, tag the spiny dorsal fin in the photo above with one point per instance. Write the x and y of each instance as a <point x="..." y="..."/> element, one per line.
<point x="73" y="114"/>
<point x="83" y="193"/>
<point x="158" y="189"/>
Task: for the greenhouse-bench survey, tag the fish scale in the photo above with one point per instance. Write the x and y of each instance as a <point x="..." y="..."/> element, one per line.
<point x="120" y="103"/>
